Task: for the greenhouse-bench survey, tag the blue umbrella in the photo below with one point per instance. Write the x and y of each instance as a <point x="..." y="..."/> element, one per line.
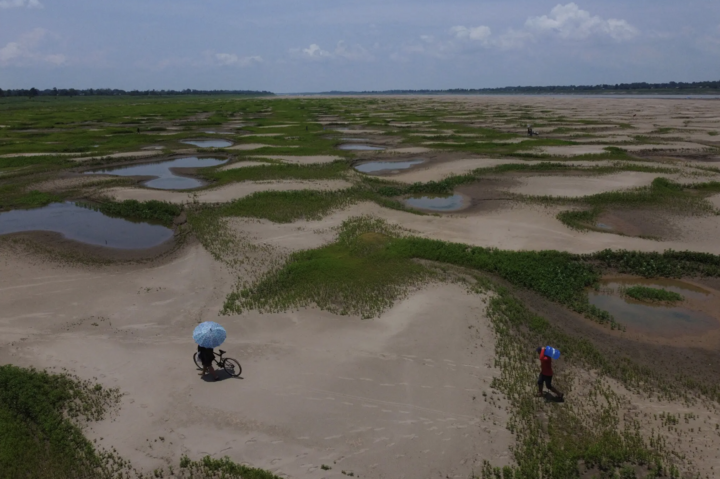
<point x="552" y="352"/>
<point x="209" y="334"/>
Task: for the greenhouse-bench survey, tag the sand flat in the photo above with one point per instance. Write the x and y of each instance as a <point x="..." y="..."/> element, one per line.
<point x="252" y="146"/>
<point x="313" y="387"/>
<point x="242" y="164"/>
<point x="575" y="186"/>
<point x="127" y="154"/>
<point x="302" y="160"/>
<point x="223" y="194"/>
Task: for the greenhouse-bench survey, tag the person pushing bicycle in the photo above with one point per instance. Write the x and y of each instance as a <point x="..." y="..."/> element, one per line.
<point x="206" y="356"/>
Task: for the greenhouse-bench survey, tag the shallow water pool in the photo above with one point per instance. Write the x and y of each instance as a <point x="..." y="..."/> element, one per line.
<point x="437" y="203"/>
<point x="86" y="226"/>
<point x="374" y="166"/>
<point x="359" y="147"/>
<point x="208" y="143"/>
<point x="166" y="179"/>
<point x="654" y="318"/>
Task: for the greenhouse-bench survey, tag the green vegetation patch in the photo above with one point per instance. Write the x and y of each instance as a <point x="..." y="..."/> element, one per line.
<point x="357" y="275"/>
<point x="289" y="206"/>
<point x="31" y="199"/>
<point x="645" y="293"/>
<point x="281" y="171"/>
<point x="586" y="439"/>
<point x="156" y="211"/>
<point x="209" y="468"/>
<point x="662" y="192"/>
<point x="39" y="416"/>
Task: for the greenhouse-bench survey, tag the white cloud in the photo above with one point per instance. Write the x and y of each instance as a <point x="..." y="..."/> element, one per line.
<point x="20" y="4"/>
<point x="481" y="33"/>
<point x="565" y="23"/>
<point x="231" y="59"/>
<point x="572" y="23"/>
<point x="25" y="50"/>
<point x="342" y="51"/>
<point x="314" y="52"/>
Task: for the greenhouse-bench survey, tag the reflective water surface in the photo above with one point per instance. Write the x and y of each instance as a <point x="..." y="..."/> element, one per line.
<point x="437" y="203"/>
<point x="654" y="318"/>
<point x="374" y="166"/>
<point x="166" y="179"/>
<point x="359" y="147"/>
<point x="85" y="225"/>
<point x="208" y="143"/>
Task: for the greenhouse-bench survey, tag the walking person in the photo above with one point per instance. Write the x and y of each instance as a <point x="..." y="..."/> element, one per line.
<point x="546" y="371"/>
<point x="206" y="356"/>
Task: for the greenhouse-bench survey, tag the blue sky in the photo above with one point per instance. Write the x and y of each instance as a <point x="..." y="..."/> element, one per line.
<point x="319" y="45"/>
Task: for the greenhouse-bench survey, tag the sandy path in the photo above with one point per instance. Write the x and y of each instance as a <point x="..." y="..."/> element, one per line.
<point x="399" y="395"/>
<point x="223" y="194"/>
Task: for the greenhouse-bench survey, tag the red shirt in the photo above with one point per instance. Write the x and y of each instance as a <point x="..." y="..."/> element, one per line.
<point x="545" y="364"/>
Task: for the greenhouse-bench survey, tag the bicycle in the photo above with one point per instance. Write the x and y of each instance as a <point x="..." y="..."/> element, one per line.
<point x="230" y="365"/>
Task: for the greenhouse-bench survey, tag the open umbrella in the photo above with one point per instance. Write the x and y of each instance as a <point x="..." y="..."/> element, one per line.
<point x="552" y="352"/>
<point x="209" y="334"/>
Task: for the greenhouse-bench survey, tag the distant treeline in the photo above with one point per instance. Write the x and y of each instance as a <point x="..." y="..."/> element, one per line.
<point x="33" y="92"/>
<point x="641" y="87"/>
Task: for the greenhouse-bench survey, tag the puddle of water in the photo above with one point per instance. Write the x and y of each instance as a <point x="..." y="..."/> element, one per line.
<point x="361" y="147"/>
<point x="350" y="138"/>
<point x="208" y="143"/>
<point x="374" y="166"/>
<point x="652" y="318"/>
<point x="437" y="203"/>
<point x="85" y="225"/>
<point x="166" y="179"/>
<point x="603" y="226"/>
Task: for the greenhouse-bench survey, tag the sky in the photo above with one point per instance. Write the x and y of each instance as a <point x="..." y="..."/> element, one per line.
<point x="295" y="46"/>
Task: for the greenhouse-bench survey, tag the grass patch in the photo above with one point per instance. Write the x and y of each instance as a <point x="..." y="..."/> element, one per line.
<point x="281" y="171"/>
<point x="652" y="295"/>
<point x="32" y="199"/>
<point x="155" y="211"/>
<point x="583" y="439"/>
<point x="40" y="415"/>
<point x="209" y="468"/>
<point x="357" y="275"/>
<point x="662" y="193"/>
<point x="289" y="206"/>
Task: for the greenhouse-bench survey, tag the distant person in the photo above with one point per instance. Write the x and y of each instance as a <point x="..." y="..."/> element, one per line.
<point x="530" y="130"/>
<point x="206" y="356"/>
<point x="546" y="374"/>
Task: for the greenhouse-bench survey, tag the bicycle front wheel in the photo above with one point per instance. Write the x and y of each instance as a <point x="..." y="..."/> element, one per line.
<point x="232" y="367"/>
<point x="196" y="359"/>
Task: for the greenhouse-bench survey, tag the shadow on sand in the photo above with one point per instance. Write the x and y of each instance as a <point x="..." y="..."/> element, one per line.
<point x="222" y="376"/>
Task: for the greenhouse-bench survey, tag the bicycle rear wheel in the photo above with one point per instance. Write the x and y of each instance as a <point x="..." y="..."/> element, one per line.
<point x="196" y="359"/>
<point x="232" y="367"/>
